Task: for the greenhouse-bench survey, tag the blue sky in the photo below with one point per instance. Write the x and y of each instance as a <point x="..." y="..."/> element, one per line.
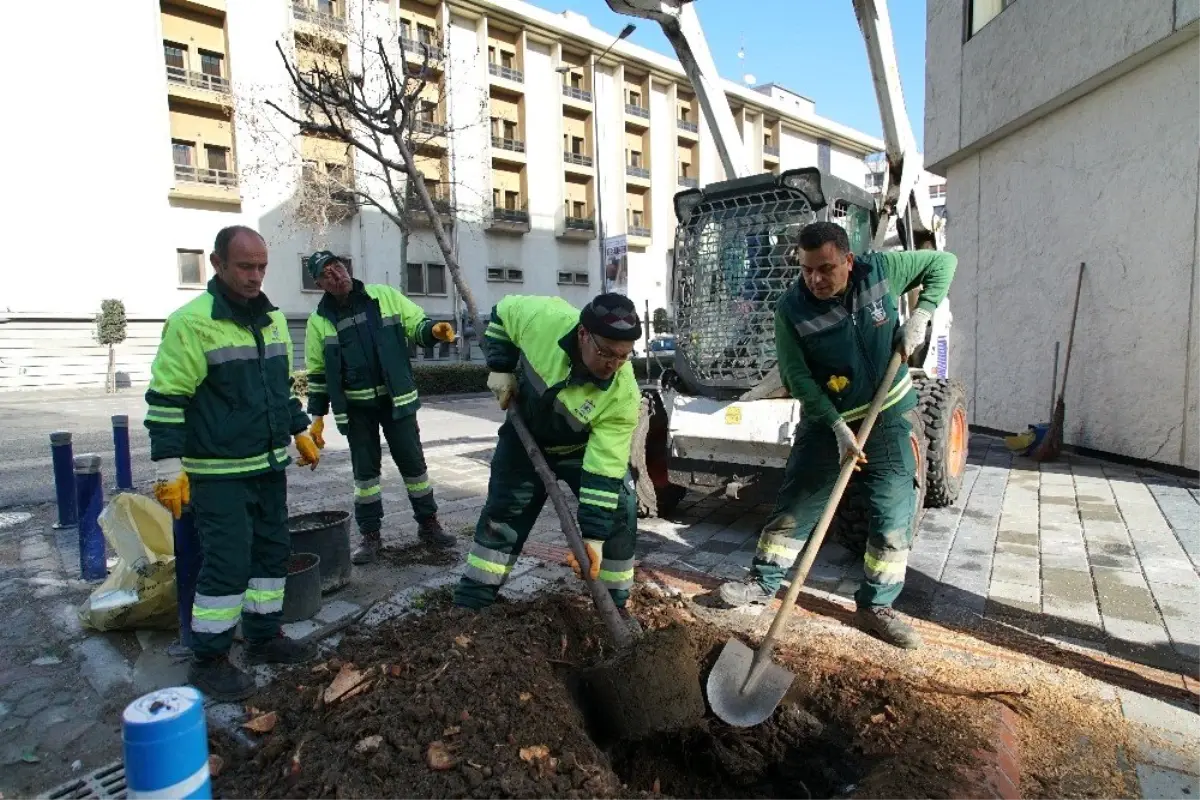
<point x="810" y="46"/>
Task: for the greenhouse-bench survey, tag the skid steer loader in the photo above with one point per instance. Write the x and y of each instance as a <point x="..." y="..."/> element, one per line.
<point x="720" y="412"/>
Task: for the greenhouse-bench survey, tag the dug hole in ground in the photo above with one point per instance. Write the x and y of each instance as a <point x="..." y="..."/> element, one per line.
<point x="450" y="703"/>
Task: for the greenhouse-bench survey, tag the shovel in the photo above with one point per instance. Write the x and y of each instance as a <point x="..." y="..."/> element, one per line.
<point x="651" y="684"/>
<point x="745" y="686"/>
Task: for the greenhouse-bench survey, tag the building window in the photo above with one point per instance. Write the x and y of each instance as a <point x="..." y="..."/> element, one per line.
<point x="175" y="55"/>
<point x="581" y="279"/>
<point x="937" y="192"/>
<point x="191" y="267"/>
<point x="495" y="273"/>
<point x="505" y="274"/>
<point x="416" y="279"/>
<point x="210" y="64"/>
<point x="514" y="275"/>
<point x="636" y="218"/>
<point x="435" y="279"/>
<point x="579" y="209"/>
<point x="183" y="153"/>
<point x="327" y="7"/>
<point x="218" y="157"/>
<point x="684" y="111"/>
<point x="309" y="284"/>
<point x="981" y="12"/>
<point x="512" y="201"/>
<point x="635" y="158"/>
<point x="506" y="59"/>
<point x="684" y="169"/>
<point x="635" y="99"/>
<point x="875" y="180"/>
<point x="823" y="155"/>
<point x="565" y="278"/>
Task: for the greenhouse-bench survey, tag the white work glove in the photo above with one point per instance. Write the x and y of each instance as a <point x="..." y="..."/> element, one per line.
<point x="504" y="386"/>
<point x="914" y="331"/>
<point x="847" y="444"/>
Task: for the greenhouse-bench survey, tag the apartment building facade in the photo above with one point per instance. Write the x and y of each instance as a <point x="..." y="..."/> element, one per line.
<point x="524" y="139"/>
<point x="1067" y="135"/>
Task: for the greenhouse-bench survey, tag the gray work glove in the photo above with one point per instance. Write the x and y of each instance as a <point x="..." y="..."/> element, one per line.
<point x="847" y="444"/>
<point x="914" y="331"/>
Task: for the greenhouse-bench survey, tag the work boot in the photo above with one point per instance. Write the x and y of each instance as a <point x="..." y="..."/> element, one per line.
<point x="744" y="593"/>
<point x="280" y="650"/>
<point x="430" y="532"/>
<point x="886" y="623"/>
<point x="368" y="551"/>
<point x="630" y="621"/>
<point x="219" y="679"/>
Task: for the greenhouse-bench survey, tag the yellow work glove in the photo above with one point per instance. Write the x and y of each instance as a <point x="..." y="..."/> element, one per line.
<point x="310" y="456"/>
<point x="317" y="431"/>
<point x="171" y="488"/>
<point x="594" y="548"/>
<point x="504" y="386"/>
<point x="443" y="332"/>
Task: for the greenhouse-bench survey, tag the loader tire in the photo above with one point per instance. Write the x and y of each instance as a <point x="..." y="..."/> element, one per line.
<point x="647" y="500"/>
<point x="852" y="523"/>
<point x="943" y="407"/>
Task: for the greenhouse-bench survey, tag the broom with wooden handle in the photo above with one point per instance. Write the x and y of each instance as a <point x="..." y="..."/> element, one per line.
<point x="1051" y="444"/>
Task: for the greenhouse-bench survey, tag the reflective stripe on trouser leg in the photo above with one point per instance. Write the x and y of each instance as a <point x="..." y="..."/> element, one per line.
<point x="807" y="482"/>
<point x="617" y="562"/>
<point x="404" y="441"/>
<point x="365" y="453"/>
<point x="891" y="488"/>
<point x="515" y="498"/>
<point x="216" y="614"/>
<point x="264" y="595"/>
<point x="270" y="550"/>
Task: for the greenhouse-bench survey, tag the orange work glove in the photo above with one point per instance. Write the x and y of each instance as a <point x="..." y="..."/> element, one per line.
<point x="317" y="430"/>
<point x="594" y="549"/>
<point x="310" y="456"/>
<point x="171" y="487"/>
<point x="443" y="332"/>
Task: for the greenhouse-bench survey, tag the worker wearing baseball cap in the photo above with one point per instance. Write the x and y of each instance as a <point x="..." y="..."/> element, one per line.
<point x="356" y="347"/>
<point x="569" y="375"/>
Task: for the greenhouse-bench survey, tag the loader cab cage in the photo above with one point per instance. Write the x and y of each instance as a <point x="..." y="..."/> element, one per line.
<point x="732" y="267"/>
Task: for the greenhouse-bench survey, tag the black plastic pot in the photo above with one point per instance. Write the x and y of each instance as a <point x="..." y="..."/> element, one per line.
<point x="326" y="533"/>
<point x="302" y="590"/>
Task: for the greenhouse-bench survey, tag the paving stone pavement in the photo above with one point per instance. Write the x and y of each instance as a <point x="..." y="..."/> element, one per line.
<point x="1099" y="557"/>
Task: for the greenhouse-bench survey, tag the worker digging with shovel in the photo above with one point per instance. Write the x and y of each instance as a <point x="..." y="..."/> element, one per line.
<point x="569" y="375"/>
<point x="835" y="331"/>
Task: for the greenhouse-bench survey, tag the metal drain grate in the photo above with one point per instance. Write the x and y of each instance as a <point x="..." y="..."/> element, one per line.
<point x="101" y="784"/>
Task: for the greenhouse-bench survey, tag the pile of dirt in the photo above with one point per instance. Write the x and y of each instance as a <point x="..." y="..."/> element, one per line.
<point x="418" y="553"/>
<point x="461" y="704"/>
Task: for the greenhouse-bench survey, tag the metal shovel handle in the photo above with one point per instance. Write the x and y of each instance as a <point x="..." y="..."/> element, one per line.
<point x="762" y="655"/>
<point x="621" y="635"/>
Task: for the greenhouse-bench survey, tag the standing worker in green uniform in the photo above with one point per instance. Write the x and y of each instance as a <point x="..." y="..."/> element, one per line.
<point x="221" y="413"/>
<point x="835" y="331"/>
<point x="356" y="349"/>
<point x="569" y="375"/>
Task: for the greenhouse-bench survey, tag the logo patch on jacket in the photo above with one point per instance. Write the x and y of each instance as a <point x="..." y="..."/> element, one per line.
<point x="878" y="312"/>
<point x="586" y="409"/>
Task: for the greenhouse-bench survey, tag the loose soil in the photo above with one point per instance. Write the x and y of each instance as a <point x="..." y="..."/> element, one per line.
<point x="418" y="553"/>
<point x="453" y="703"/>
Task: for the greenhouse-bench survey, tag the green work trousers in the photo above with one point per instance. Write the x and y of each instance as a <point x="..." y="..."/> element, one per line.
<point x="404" y="441"/>
<point x="889" y="477"/>
<point x="243" y="530"/>
<point x="515" y="498"/>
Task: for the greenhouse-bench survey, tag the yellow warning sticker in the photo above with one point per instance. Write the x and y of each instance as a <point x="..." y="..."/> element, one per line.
<point x="733" y="415"/>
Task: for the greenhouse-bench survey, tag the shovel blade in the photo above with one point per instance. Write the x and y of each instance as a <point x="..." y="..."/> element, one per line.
<point x="739" y="708"/>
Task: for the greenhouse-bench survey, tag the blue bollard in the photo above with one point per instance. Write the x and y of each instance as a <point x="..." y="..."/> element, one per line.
<point x="89" y="493"/>
<point x="188" y="557"/>
<point x="64" y="479"/>
<point x="165" y="743"/>
<point x="120" y="426"/>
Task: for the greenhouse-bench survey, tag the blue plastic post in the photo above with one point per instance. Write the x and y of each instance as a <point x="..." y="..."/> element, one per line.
<point x="165" y="742"/>
<point x="120" y="426"/>
<point x="64" y="479"/>
<point x="187" y="568"/>
<point x="89" y="493"/>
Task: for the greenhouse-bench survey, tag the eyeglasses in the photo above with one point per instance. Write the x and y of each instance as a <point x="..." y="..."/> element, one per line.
<point x="606" y="354"/>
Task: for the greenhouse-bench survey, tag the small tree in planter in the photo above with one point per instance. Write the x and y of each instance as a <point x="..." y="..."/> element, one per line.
<point x="661" y="323"/>
<point x="110" y="330"/>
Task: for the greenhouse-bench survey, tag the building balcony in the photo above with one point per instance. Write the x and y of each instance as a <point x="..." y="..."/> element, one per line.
<point x="510" y="220"/>
<point x="210" y="7"/>
<point x="689" y="183"/>
<point x="506" y="77"/>
<point x="440" y="196"/>
<point x="637" y="236"/>
<point x="510" y="150"/>
<point x="200" y="183"/>
<point x="198" y="88"/>
<point x="687" y="131"/>
<point x="577" y="98"/>
<point x="427" y="133"/>
<point x="578" y="163"/>
<point x="421" y="52"/>
<point x="770" y="153"/>
<point x="637" y="116"/>
<point x="319" y="21"/>
<point x="638" y="176"/>
<point x="579" y="228"/>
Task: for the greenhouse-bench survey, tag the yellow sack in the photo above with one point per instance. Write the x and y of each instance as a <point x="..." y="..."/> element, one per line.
<point x="140" y="590"/>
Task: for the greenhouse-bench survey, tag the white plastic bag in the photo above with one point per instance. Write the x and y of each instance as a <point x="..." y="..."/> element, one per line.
<point x="140" y="590"/>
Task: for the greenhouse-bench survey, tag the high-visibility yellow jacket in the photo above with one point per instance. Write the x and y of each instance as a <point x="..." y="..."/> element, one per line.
<point x="220" y="394"/>
<point x="568" y="410"/>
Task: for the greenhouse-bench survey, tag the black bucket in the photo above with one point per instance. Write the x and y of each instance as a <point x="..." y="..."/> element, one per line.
<point x="302" y="591"/>
<point x="326" y="533"/>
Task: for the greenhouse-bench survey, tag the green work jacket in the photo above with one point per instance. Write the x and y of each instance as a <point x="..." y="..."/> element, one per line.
<point x="347" y="350"/>
<point x="220" y="395"/>
<point x="568" y="410"/>
<point x="851" y="336"/>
